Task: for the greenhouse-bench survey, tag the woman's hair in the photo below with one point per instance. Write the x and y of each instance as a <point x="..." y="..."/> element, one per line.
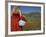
<point x="15" y="8"/>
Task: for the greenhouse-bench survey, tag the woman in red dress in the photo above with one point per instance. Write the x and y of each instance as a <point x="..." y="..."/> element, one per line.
<point x="15" y="20"/>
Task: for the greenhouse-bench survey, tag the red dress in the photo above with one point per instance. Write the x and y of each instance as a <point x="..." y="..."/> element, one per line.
<point x="14" y="22"/>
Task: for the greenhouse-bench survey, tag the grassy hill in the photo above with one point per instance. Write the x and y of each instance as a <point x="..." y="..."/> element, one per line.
<point x="33" y="21"/>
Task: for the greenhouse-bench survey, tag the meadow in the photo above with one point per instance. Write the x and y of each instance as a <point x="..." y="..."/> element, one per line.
<point x="33" y="21"/>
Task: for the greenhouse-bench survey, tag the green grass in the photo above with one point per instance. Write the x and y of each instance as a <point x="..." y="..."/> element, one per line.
<point x="33" y="23"/>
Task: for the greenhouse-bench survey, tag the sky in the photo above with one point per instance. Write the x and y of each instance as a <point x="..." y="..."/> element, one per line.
<point x="29" y="9"/>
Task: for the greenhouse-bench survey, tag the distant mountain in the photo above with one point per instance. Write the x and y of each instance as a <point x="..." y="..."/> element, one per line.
<point x="31" y="13"/>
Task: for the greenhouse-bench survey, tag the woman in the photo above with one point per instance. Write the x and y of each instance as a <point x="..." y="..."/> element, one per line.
<point x="15" y="18"/>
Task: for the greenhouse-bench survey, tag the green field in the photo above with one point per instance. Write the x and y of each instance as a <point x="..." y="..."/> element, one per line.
<point x="33" y="22"/>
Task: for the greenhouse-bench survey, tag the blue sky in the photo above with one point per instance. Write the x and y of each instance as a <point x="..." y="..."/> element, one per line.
<point x="29" y="9"/>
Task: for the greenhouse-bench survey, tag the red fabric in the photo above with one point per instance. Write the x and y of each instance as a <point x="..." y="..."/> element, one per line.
<point x="14" y="22"/>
